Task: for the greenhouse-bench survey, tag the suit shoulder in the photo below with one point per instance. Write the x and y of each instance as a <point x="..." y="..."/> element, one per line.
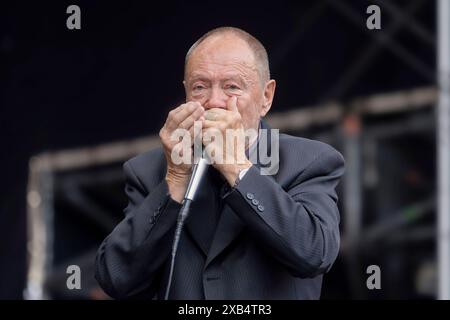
<point x="149" y="166"/>
<point x="301" y="157"/>
<point x="306" y="147"/>
<point x="145" y="158"/>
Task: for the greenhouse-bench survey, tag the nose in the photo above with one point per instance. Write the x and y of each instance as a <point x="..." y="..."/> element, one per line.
<point x="216" y="99"/>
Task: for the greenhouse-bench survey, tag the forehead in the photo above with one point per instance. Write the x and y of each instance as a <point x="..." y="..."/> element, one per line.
<point x="221" y="54"/>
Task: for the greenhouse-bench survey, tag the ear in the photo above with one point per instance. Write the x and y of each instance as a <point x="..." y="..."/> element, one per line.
<point x="269" y="92"/>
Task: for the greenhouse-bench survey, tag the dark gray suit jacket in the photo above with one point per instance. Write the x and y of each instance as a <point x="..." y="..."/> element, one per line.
<point x="271" y="237"/>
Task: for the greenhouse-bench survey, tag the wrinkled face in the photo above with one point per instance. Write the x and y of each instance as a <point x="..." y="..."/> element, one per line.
<point x="222" y="67"/>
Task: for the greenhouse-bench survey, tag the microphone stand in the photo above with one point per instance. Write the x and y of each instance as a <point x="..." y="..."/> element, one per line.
<point x="197" y="173"/>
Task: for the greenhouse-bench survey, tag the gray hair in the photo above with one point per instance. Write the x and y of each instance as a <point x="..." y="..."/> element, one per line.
<point x="259" y="52"/>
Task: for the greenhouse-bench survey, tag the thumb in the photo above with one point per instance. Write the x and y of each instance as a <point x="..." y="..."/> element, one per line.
<point x="232" y="104"/>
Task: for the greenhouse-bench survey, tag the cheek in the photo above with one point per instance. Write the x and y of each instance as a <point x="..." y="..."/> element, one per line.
<point x="196" y="98"/>
<point x="249" y="112"/>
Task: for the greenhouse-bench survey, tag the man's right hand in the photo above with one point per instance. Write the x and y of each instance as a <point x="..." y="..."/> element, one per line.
<point x="177" y="175"/>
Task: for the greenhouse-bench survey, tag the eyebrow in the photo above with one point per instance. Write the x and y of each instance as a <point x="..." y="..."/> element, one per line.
<point x="198" y="75"/>
<point x="235" y="77"/>
<point x="197" y="78"/>
<point x="203" y="77"/>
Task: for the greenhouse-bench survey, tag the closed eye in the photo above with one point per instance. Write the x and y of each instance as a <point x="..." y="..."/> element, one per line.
<point x="232" y="87"/>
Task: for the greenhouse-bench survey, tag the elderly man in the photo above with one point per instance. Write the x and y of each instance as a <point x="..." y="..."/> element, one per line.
<point x="249" y="235"/>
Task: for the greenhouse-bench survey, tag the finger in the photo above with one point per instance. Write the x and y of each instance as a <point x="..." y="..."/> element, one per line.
<point x="171" y="120"/>
<point x="180" y="107"/>
<point x="232" y="104"/>
<point x="210" y="115"/>
<point x="189" y="121"/>
<point x="195" y="132"/>
<point x="185" y="112"/>
<point x="216" y="114"/>
<point x="179" y="114"/>
<point x="209" y="124"/>
<point x="219" y="111"/>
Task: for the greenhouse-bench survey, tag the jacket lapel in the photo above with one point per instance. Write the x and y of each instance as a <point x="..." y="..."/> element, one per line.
<point x="228" y="228"/>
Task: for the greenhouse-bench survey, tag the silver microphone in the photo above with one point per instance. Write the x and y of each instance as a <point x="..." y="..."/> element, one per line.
<point x="198" y="171"/>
